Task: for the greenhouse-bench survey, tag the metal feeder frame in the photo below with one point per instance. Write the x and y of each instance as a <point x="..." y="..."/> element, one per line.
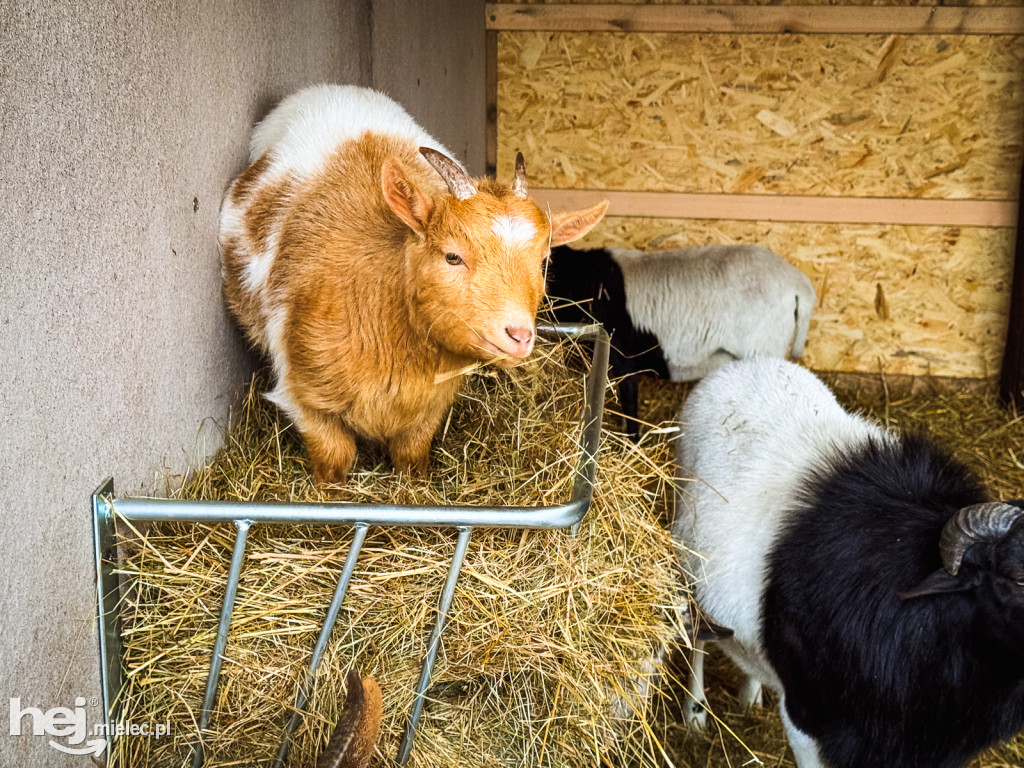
<point x="106" y="508"/>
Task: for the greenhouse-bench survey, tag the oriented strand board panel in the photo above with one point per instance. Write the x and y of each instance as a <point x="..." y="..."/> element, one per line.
<point x="912" y="116"/>
<point x="859" y="115"/>
<point x="945" y="289"/>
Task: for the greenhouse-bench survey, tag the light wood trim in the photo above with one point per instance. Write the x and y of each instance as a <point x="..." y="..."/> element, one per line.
<point x="812" y="19"/>
<point x="835" y="210"/>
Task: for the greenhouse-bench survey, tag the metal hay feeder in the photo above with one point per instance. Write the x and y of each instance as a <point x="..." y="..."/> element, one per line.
<point x="106" y="508"/>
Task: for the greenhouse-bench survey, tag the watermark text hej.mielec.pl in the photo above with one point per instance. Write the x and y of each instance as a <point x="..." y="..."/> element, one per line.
<point x="61" y="722"/>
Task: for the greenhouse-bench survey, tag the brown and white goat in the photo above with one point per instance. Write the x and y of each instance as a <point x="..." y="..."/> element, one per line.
<point x="367" y="265"/>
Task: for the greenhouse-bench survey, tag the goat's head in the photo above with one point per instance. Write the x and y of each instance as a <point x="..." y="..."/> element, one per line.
<point x="982" y="546"/>
<point x="478" y="256"/>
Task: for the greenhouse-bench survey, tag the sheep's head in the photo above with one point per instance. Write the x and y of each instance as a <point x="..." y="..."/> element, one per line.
<point x="478" y="268"/>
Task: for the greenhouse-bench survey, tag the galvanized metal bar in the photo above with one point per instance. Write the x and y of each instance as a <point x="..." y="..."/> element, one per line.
<point x="590" y="438"/>
<point x="222" y="638"/>
<point x="311" y="513"/>
<point x="306" y="685"/>
<point x="108" y="599"/>
<point x="405" y="748"/>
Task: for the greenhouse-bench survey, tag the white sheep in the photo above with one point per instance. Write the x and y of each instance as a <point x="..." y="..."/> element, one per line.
<point x="685" y="312"/>
<point x="711" y="304"/>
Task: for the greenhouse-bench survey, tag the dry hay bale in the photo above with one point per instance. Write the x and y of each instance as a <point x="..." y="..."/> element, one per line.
<point x="548" y="632"/>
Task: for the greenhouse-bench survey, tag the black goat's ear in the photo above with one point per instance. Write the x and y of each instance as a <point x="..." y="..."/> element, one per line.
<point x="940" y="582"/>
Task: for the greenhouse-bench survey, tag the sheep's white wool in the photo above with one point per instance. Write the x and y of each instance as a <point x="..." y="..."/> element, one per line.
<point x="708" y="305"/>
<point x="753" y="431"/>
<point x="307" y="127"/>
<point x="515" y="231"/>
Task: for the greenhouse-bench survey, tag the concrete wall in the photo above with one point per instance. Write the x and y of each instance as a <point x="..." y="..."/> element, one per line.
<point x="121" y="123"/>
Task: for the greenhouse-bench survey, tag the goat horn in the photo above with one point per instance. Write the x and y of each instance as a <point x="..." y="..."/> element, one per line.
<point x="972" y="525"/>
<point x="519" y="182"/>
<point x="454" y="175"/>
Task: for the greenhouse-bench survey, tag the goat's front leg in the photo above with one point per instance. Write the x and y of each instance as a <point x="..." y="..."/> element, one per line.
<point x="751" y="692"/>
<point x="410" y="450"/>
<point x="695" y="711"/>
<point x="331" y="445"/>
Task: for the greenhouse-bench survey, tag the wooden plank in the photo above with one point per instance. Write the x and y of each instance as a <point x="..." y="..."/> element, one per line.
<point x="825" y="19"/>
<point x="1011" y="384"/>
<point x="835" y="210"/>
<point x="491" y="101"/>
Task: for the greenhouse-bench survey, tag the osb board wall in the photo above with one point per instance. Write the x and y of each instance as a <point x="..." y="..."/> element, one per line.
<point x="919" y="116"/>
<point x="853" y="115"/>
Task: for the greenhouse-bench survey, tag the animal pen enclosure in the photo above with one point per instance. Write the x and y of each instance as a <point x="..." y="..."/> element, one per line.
<point x="877" y="148"/>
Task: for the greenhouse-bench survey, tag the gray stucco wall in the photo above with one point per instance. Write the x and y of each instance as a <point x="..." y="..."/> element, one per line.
<point x="121" y="123"/>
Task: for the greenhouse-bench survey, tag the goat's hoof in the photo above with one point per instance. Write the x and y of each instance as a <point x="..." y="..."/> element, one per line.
<point x="696" y="714"/>
<point x="751" y="693"/>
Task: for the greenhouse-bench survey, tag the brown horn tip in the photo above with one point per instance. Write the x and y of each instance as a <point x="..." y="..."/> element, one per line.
<point x="519" y="182"/>
<point x="454" y="175"/>
<point x="972" y="525"/>
<point x="355" y="735"/>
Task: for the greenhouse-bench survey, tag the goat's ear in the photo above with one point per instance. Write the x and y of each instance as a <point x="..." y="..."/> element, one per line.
<point x="404" y="197"/>
<point x="940" y="582"/>
<point x="572" y="225"/>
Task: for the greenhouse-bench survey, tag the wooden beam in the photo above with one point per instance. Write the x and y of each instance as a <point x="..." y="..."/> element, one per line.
<point x="808" y="19"/>
<point x="835" y="210"/>
<point x="491" y="101"/>
<point x="1011" y="382"/>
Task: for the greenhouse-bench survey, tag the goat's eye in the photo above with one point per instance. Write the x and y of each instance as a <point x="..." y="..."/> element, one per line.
<point x="453" y="258"/>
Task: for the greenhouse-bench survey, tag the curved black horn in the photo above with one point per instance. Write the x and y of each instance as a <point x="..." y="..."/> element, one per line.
<point x="971" y="525"/>
<point x="519" y="182"/>
<point x="454" y="175"/>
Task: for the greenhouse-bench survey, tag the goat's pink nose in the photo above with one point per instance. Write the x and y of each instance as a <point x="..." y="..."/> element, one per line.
<point x="522" y="336"/>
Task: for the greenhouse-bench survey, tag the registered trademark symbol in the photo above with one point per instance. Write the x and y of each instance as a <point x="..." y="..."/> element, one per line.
<point x="93" y="701"/>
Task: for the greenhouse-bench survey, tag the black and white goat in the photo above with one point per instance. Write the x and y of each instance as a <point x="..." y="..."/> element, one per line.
<point x="864" y="574"/>
<point x="682" y="313"/>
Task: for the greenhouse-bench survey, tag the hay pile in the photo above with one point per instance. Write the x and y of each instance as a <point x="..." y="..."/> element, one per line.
<point x="547" y="632"/>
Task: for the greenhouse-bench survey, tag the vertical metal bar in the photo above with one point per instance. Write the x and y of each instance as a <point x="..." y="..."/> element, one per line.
<point x="222" y="638"/>
<point x="104" y="531"/>
<point x="306" y="685"/>
<point x="435" y="641"/>
<point x="590" y="437"/>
